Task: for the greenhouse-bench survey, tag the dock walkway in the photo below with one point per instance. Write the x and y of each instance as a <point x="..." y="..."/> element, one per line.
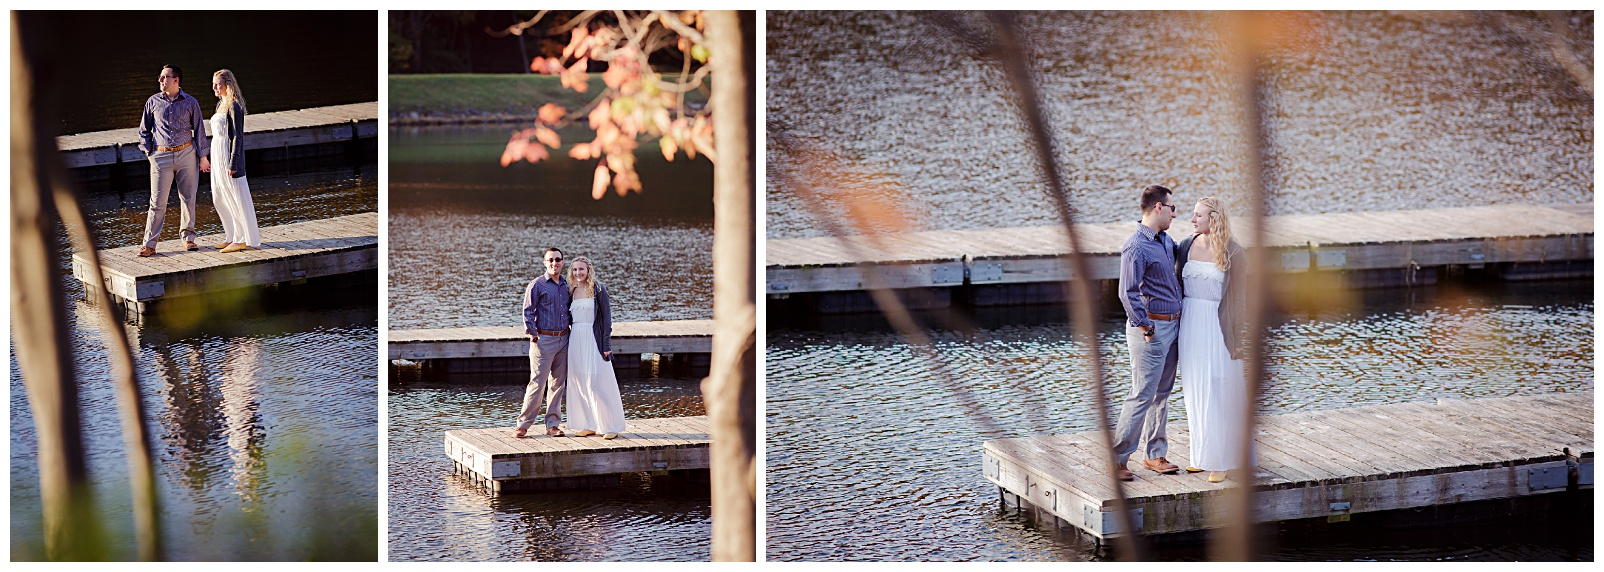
<point x="493" y="458"/>
<point x="506" y="348"/>
<point x="289" y="253"/>
<point x="1472" y="237"/>
<point x="280" y="129"/>
<point x="1322" y="464"/>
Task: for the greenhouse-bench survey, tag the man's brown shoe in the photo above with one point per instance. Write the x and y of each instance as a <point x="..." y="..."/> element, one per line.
<point x="146" y="252"/>
<point x="1161" y="465"/>
<point x="1124" y="474"/>
<point x="190" y="245"/>
<point x="554" y="432"/>
<point x="519" y="434"/>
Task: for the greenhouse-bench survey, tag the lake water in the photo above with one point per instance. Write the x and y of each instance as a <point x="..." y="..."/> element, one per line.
<point x="856" y="417"/>
<point x="1393" y="111"/>
<point x="870" y="457"/>
<point x="264" y="423"/>
<point x="465" y="238"/>
<point x="329" y="60"/>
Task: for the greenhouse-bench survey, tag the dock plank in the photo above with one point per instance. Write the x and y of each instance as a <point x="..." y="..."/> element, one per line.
<point x="1379" y="457"/>
<point x="262" y="130"/>
<point x="654" y="337"/>
<point x="1348" y="242"/>
<point x="175" y="273"/>
<point x="647" y="445"/>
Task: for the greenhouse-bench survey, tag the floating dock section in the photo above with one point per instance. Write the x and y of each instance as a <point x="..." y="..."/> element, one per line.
<point x="1025" y="264"/>
<point x="293" y="133"/>
<point x="500" y="349"/>
<point x="290" y="253"/>
<point x="501" y="463"/>
<point x="1323" y="464"/>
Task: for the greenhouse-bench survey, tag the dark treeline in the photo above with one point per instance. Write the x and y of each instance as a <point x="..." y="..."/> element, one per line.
<point x="455" y="41"/>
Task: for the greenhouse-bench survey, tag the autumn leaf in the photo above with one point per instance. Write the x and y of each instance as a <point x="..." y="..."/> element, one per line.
<point x="607" y="135"/>
<point x="551" y="113"/>
<point x="661" y="120"/>
<point x="626" y="182"/>
<point x="534" y="153"/>
<point x="581" y="152"/>
<point x="576" y="78"/>
<point x="598" y="187"/>
<point x="602" y="115"/>
<point x="548" y="137"/>
<point x="546" y="66"/>
<point x="578" y="39"/>
<point x="515" y="149"/>
<point x="667" y="143"/>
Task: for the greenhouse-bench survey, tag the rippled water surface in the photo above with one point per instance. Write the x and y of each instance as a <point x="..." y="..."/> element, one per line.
<point x="871" y="456"/>
<point x="436" y="515"/>
<point x="466" y="237"/>
<point x="328" y="61"/>
<point x="1369" y="111"/>
<point x="264" y="422"/>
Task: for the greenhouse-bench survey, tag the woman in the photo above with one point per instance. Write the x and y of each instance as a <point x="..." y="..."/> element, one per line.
<point x="229" y="192"/>
<point x="593" y="402"/>
<point x="1210" y="346"/>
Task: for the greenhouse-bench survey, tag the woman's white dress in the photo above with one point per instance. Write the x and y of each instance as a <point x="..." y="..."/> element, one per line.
<point x="232" y="196"/>
<point x="1212" y="383"/>
<point x="593" y="399"/>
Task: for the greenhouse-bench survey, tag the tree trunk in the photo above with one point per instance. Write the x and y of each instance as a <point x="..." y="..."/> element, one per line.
<point x="39" y="322"/>
<point x="41" y="176"/>
<point x="731" y="388"/>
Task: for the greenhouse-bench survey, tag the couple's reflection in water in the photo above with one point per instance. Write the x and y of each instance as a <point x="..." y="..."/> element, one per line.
<point x="217" y="417"/>
<point x="211" y="390"/>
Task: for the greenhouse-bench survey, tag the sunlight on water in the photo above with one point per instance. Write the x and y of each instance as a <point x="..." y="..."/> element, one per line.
<point x="855" y="416"/>
<point x="1395" y="111"/>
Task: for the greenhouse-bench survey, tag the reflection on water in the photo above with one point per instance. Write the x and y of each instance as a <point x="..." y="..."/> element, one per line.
<point x="263" y="414"/>
<point x="854" y="415"/>
<point x="1393" y="111"/>
<point x="436" y="515"/>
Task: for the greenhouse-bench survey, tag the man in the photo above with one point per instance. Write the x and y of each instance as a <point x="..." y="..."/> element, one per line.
<point x="1151" y="295"/>
<point x="547" y="322"/>
<point x="172" y="133"/>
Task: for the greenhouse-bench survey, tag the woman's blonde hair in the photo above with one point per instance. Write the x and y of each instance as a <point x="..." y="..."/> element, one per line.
<point x="1219" y="233"/>
<point x="590" y="277"/>
<point x="226" y="104"/>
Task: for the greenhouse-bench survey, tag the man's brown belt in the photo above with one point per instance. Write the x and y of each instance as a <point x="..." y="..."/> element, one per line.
<point x="174" y="149"/>
<point x="551" y="333"/>
<point x="1164" y="317"/>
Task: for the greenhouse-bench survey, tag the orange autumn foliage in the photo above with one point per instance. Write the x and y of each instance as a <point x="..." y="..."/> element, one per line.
<point x="636" y="101"/>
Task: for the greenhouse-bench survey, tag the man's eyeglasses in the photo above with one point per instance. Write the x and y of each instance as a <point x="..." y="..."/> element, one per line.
<point x="558" y="259"/>
<point x="1172" y="207"/>
<point x="168" y="77"/>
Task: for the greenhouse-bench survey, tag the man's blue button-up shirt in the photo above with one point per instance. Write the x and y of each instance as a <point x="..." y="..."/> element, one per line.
<point x="1147" y="281"/>
<point x="546" y="305"/>
<point x="170" y="122"/>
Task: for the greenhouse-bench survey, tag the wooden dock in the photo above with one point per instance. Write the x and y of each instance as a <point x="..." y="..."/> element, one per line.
<point x="1514" y="239"/>
<point x="499" y="462"/>
<point x="289" y="253"/>
<point x="277" y="130"/>
<point x="1323" y="464"/>
<point x="506" y="348"/>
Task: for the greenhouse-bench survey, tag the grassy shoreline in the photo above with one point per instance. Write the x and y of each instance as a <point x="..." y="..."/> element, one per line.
<point x="431" y="99"/>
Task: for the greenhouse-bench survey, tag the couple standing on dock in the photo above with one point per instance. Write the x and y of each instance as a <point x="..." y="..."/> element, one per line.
<point x="570" y="326"/>
<point x="171" y="129"/>
<point x="1184" y="306"/>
